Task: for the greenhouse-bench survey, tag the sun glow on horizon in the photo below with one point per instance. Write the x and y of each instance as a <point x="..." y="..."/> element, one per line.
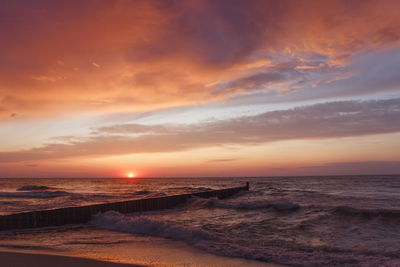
<point x="131" y="175"/>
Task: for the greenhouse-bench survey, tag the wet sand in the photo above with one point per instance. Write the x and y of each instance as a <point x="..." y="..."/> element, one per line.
<point x="18" y="259"/>
<point x="148" y="251"/>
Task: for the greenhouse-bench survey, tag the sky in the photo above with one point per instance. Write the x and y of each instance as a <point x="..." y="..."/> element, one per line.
<point x="104" y="88"/>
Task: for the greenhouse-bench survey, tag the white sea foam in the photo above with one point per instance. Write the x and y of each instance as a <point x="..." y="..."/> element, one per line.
<point x="113" y="220"/>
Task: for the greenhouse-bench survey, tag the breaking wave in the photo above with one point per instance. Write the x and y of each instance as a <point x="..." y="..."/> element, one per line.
<point x="33" y="188"/>
<point x="292" y="207"/>
<point x="260" y="205"/>
<point x="244" y="205"/>
<point x="226" y="244"/>
<point x="113" y="220"/>
<point x="369" y="213"/>
<point x="34" y="194"/>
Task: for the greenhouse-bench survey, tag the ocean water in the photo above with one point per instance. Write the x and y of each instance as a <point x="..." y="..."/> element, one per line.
<point x="294" y="221"/>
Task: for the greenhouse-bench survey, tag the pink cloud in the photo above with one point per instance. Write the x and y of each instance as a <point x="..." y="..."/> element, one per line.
<point x="157" y="54"/>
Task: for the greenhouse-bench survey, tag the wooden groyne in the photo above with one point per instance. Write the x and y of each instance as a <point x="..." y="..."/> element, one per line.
<point x="83" y="214"/>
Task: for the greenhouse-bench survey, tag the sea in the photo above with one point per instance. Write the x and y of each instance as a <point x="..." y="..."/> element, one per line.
<point x="289" y="221"/>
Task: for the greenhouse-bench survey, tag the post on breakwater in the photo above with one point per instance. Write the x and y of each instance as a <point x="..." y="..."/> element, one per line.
<point x="83" y="214"/>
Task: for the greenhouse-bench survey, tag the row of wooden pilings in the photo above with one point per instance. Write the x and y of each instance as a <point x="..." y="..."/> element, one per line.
<point x="83" y="214"/>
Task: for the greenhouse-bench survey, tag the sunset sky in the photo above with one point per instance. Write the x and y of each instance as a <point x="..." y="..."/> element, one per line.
<point x="102" y="88"/>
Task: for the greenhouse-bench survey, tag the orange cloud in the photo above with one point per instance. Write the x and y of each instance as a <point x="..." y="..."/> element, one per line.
<point x="321" y="121"/>
<point x="102" y="56"/>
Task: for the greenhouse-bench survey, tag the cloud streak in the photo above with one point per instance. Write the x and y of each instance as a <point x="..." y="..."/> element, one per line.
<point x="108" y="56"/>
<point x="321" y="121"/>
<point x="346" y="168"/>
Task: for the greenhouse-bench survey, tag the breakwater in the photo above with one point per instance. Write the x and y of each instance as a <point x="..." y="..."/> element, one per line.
<point x="83" y="214"/>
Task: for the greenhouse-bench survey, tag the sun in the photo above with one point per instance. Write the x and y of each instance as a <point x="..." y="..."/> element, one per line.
<point x="131" y="175"/>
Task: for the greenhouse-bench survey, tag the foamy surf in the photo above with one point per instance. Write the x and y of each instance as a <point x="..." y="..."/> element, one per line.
<point x="245" y="244"/>
<point x="113" y="220"/>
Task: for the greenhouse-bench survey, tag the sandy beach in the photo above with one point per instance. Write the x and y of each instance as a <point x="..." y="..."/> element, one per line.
<point x="23" y="251"/>
<point x="145" y="251"/>
<point x="18" y="259"/>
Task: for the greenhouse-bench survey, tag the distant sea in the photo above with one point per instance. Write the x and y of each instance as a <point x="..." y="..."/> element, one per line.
<point x="295" y="221"/>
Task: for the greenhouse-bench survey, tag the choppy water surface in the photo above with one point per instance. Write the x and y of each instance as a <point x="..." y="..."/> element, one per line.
<point x="296" y="221"/>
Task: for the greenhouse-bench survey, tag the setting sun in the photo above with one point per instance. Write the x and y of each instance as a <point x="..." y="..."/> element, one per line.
<point x="131" y="175"/>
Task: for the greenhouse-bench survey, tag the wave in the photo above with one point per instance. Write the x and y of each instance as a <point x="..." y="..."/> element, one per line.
<point x="289" y="206"/>
<point x="244" y="205"/>
<point x="99" y="242"/>
<point x="37" y="194"/>
<point x="33" y="188"/>
<point x="292" y="207"/>
<point x="226" y="244"/>
<point x="369" y="213"/>
<point x="190" y="188"/>
<point x="113" y="220"/>
<point x="29" y="247"/>
<point x="158" y="194"/>
<point x="141" y="192"/>
<point x="261" y="205"/>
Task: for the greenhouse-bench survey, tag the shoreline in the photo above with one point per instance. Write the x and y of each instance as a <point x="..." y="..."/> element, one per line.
<point x="145" y="252"/>
<point x="23" y="259"/>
